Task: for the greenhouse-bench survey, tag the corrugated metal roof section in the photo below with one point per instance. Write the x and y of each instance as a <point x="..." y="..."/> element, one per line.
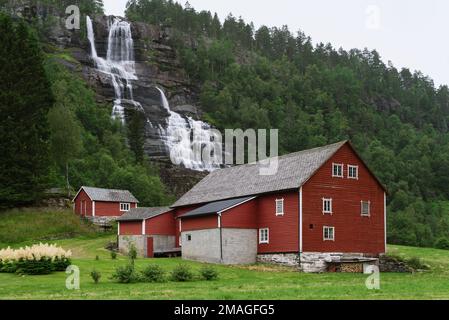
<point x="98" y="194"/>
<point x="245" y="180"/>
<point x="139" y="214"/>
<point x="216" y="207"/>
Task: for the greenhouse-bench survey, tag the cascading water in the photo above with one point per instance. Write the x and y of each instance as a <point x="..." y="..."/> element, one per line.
<point x="183" y="137"/>
<point x="119" y="63"/>
<point x="186" y="138"/>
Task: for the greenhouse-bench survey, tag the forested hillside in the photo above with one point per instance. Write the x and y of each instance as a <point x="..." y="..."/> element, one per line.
<point x="273" y="78"/>
<point x="246" y="78"/>
<point x="53" y="133"/>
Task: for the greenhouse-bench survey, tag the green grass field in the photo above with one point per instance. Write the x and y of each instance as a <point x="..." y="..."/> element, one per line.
<point x="249" y="282"/>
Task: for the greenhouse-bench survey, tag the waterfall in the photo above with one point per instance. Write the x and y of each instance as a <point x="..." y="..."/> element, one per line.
<point x="119" y="63"/>
<point x="186" y="138"/>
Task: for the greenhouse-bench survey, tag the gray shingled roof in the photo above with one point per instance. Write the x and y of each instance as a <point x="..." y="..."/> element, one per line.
<point x="97" y="194"/>
<point x="240" y="181"/>
<point x="216" y="207"/>
<point x="139" y="214"/>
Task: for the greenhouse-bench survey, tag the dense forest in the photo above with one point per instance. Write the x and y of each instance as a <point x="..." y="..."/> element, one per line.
<point x="247" y="78"/>
<point x="53" y="133"/>
<point x="316" y="94"/>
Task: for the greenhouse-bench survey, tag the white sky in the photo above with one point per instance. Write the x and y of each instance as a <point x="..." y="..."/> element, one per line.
<point x="410" y="33"/>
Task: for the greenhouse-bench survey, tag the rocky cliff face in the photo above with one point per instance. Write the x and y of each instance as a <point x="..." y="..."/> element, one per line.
<point x="156" y="65"/>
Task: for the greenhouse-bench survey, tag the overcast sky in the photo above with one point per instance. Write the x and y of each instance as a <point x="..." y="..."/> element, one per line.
<point x="410" y="33"/>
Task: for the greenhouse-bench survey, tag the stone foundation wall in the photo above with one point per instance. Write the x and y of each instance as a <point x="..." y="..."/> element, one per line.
<point x="102" y="221"/>
<point x="285" y="259"/>
<point x="316" y="262"/>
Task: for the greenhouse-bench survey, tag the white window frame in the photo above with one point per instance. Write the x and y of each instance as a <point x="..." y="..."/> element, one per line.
<point x="327" y="228"/>
<point x="350" y="167"/>
<point x="267" y="240"/>
<point x="123" y="206"/>
<point x="369" y="208"/>
<point x="330" y="211"/>
<point x="342" y="166"/>
<point x="280" y="201"/>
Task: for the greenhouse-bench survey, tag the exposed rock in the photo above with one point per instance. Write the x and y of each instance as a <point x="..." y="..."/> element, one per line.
<point x="392" y="264"/>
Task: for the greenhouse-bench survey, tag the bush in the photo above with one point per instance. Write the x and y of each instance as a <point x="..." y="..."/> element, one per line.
<point x="125" y="274"/>
<point x="113" y="255"/>
<point x="96" y="276"/>
<point x="61" y="264"/>
<point x="181" y="273"/>
<point x="34" y="267"/>
<point x="208" y="273"/>
<point x="97" y="258"/>
<point x="153" y="273"/>
<point x="442" y="243"/>
<point x="132" y="254"/>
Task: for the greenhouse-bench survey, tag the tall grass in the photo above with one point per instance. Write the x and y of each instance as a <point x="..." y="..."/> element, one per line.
<point x="22" y="225"/>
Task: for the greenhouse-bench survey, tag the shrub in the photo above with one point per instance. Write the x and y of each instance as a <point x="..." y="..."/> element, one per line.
<point x="125" y="274"/>
<point x="153" y="273"/>
<point x="181" y="273"/>
<point x="96" y="276"/>
<point x="113" y="255"/>
<point x="97" y="258"/>
<point x="34" y="260"/>
<point x="442" y="243"/>
<point x="208" y="273"/>
<point x="61" y="264"/>
<point x="132" y="254"/>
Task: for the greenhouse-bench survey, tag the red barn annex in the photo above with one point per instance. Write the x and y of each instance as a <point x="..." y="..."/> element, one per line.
<point x="103" y="204"/>
<point x="323" y="205"/>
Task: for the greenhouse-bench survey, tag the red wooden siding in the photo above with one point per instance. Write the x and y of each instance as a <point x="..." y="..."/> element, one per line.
<point x="353" y="233"/>
<point x="284" y="230"/>
<point x="162" y="225"/>
<point x="200" y="223"/>
<point x="131" y="228"/>
<point x="109" y="209"/>
<point x="241" y="217"/>
<point x="179" y="212"/>
<point x="83" y="204"/>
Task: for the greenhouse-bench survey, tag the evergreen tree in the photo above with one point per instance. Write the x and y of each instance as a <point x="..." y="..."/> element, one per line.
<point x="25" y="98"/>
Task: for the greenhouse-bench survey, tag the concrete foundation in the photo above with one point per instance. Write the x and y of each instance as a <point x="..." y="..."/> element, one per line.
<point x="125" y="242"/>
<point x="225" y="246"/>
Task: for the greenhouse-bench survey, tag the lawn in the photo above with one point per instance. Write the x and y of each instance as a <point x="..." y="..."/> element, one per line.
<point x="250" y="282"/>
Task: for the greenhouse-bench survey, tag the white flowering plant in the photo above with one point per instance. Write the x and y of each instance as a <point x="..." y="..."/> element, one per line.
<point x="37" y="259"/>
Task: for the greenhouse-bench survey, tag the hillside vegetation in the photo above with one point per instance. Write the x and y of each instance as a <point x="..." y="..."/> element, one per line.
<point x="34" y="225"/>
<point x="273" y="78"/>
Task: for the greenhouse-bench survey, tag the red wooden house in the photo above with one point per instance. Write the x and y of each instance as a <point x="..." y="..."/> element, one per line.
<point x="323" y="205"/>
<point x="103" y="204"/>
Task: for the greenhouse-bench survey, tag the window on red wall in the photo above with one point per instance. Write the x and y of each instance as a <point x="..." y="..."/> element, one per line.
<point x="337" y="170"/>
<point x="280" y="207"/>
<point x="124" y="207"/>
<point x="264" y="236"/>
<point x="327" y="206"/>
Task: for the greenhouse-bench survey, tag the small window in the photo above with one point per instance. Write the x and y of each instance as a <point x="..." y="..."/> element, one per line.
<point x="125" y="207"/>
<point x="189" y="237"/>
<point x="337" y="170"/>
<point x="366" y="208"/>
<point x="328" y="233"/>
<point x="327" y="206"/>
<point x="353" y="172"/>
<point x="280" y="207"/>
<point x="264" y="236"/>
<point x="311" y="227"/>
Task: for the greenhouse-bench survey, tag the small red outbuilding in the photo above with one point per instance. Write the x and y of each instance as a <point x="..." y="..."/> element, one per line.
<point x="103" y="204"/>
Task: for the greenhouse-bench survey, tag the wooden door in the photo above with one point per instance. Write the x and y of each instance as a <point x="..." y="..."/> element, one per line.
<point x="150" y="247"/>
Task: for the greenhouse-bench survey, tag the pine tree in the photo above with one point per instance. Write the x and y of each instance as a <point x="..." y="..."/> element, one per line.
<point x="25" y="98"/>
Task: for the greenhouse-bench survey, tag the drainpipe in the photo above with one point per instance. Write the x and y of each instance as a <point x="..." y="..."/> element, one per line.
<point x="221" y="237"/>
<point x="300" y="226"/>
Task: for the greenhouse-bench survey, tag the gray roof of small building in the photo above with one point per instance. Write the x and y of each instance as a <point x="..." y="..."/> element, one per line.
<point x="216" y="207"/>
<point x="109" y="195"/>
<point x="245" y="180"/>
<point x="139" y="214"/>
